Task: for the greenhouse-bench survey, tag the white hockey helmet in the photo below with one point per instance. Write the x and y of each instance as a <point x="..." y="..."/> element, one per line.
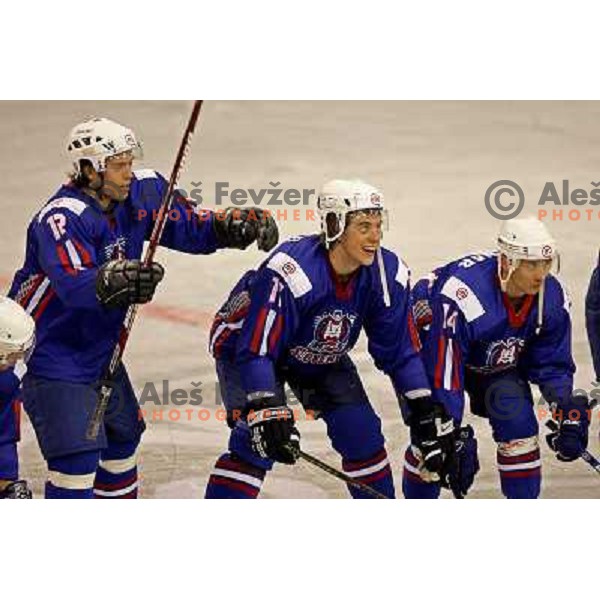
<point x="526" y="238"/>
<point x="340" y="197"/>
<point x="17" y="332"/>
<point x="98" y="139"/>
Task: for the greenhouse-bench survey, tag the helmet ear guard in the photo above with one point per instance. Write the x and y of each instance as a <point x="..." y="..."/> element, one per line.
<point x="334" y="226"/>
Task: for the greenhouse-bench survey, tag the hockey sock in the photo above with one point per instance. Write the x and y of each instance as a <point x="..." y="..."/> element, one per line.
<point x="72" y="476"/>
<point x="117" y="475"/>
<point x="374" y="472"/>
<point x="233" y="477"/>
<point x="520" y="468"/>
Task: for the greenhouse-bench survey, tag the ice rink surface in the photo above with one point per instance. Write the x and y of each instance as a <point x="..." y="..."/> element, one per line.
<point x="434" y="162"/>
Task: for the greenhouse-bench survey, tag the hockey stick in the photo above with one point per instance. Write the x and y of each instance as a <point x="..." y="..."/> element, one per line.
<point x="159" y="225"/>
<point x="339" y="475"/>
<point x="590" y="459"/>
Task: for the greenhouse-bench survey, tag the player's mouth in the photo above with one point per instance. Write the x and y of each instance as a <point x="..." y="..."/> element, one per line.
<point x="369" y="250"/>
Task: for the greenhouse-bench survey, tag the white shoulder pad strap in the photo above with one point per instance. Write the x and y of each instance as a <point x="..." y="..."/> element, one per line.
<point x="72" y="204"/>
<point x="464" y="297"/>
<point x="403" y="274"/>
<point x="145" y="174"/>
<point x="291" y="272"/>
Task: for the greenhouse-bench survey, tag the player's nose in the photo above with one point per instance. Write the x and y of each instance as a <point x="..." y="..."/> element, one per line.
<point x="374" y="236"/>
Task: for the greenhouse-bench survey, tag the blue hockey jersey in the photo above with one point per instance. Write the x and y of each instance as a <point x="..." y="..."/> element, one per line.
<point x="473" y="326"/>
<point x="294" y="312"/>
<point x="67" y="240"/>
<point x="10" y="382"/>
<point x="592" y="318"/>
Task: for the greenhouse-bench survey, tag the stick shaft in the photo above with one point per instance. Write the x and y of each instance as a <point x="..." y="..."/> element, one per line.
<point x="159" y="225"/>
<point x="340" y="475"/>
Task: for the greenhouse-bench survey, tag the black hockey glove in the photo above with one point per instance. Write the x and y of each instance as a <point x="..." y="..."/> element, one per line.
<point x="465" y="465"/>
<point x="570" y="439"/>
<point x="432" y="432"/>
<point x="240" y="227"/>
<point x="123" y="282"/>
<point x="17" y="490"/>
<point x="272" y="430"/>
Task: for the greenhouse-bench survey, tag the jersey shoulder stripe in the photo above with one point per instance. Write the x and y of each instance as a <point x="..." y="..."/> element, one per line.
<point x="145" y="174"/>
<point x="567" y="301"/>
<point x="291" y="272"/>
<point x="403" y="273"/>
<point x="72" y="204"/>
<point x="464" y="297"/>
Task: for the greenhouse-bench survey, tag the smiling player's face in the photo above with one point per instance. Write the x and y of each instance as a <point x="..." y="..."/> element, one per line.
<point x="360" y="240"/>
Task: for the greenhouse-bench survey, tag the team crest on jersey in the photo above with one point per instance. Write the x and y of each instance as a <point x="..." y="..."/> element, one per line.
<point x="503" y="354"/>
<point x="332" y="331"/>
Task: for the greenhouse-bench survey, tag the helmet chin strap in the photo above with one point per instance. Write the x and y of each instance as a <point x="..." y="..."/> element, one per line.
<point x="540" y="316"/>
<point x="513" y="263"/>
<point x="383" y="276"/>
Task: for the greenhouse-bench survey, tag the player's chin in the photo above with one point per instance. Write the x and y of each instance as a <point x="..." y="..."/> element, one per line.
<point x="120" y="197"/>
<point x="367" y="258"/>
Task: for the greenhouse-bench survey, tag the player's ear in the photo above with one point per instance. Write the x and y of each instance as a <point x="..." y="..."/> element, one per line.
<point x="91" y="175"/>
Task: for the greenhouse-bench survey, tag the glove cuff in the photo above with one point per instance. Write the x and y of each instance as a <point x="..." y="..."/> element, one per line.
<point x="420" y="407"/>
<point x="575" y="408"/>
<point x="262" y="400"/>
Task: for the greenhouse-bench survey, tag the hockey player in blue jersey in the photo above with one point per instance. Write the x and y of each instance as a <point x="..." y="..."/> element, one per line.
<point x="294" y="321"/>
<point x="82" y="269"/>
<point x="17" y="338"/>
<point x="491" y="325"/>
